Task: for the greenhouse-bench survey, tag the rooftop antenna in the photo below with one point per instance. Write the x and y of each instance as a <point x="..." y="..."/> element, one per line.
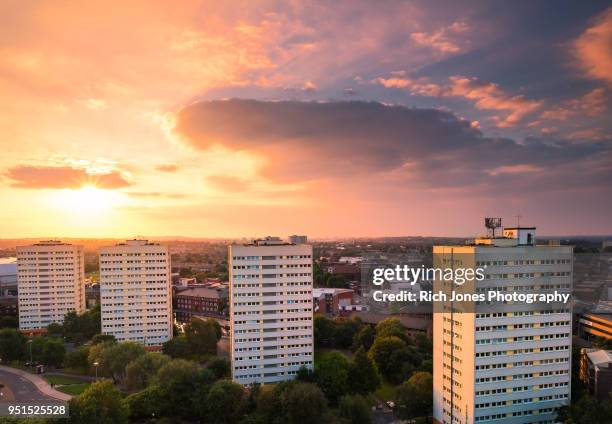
<point x="492" y="224"/>
<point x="518" y="220"/>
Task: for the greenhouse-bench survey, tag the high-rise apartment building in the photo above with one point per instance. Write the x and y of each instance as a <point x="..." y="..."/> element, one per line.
<point x="504" y="362"/>
<point x="136" y="292"/>
<point x="50" y="279"/>
<point x="270" y="310"/>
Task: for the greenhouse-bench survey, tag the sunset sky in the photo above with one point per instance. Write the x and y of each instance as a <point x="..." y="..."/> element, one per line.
<point x="331" y="118"/>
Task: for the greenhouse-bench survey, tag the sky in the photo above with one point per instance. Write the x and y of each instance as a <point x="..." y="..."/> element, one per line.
<point x="332" y="119"/>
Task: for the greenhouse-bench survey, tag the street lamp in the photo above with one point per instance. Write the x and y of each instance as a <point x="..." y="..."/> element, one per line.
<point x="96" y="365"/>
<point x="31" y="360"/>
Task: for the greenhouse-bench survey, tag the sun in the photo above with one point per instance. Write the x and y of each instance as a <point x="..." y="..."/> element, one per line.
<point x="87" y="200"/>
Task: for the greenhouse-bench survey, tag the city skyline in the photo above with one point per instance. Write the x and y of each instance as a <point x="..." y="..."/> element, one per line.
<point x="370" y="120"/>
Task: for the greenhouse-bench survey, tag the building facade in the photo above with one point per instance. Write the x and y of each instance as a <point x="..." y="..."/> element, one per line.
<point x="200" y="302"/>
<point x="596" y="372"/>
<point x="8" y="277"/>
<point x="271" y="322"/>
<point x="504" y="362"/>
<point x="592" y="325"/>
<point x="50" y="278"/>
<point x="136" y="292"/>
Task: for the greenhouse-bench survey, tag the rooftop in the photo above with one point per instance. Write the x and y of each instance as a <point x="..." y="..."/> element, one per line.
<point x="600" y="357"/>
<point x="202" y="292"/>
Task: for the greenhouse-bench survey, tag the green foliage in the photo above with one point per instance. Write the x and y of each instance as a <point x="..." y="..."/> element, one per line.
<point x="80" y="328"/>
<point x="12" y="344"/>
<point x="9" y="322"/>
<point x="114" y="357"/>
<point x="364" y="338"/>
<point x="220" y="367"/>
<point x="393" y="358"/>
<point x="323" y="331"/>
<point x="182" y="386"/>
<point x="141" y="371"/>
<point x="391" y="327"/>
<point x="101" y="403"/>
<point x="332" y="375"/>
<point x="344" y="332"/>
<point x="355" y="409"/>
<point x="102" y="338"/>
<point x="586" y="410"/>
<point x="77" y="359"/>
<point x="53" y="352"/>
<point x="55" y="330"/>
<point x="36" y="346"/>
<point x="202" y="337"/>
<point x="226" y="402"/>
<point x="363" y="377"/>
<point x="414" y="398"/>
<point x="177" y="347"/>
<point x="146" y="403"/>
<point x="302" y="403"/>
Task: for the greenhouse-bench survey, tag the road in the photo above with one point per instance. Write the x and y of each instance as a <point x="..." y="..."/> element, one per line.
<point x="19" y="389"/>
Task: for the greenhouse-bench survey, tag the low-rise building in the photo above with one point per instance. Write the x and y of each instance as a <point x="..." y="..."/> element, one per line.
<point x="596" y="372"/>
<point x="200" y="302"/>
<point x="331" y="301"/>
<point x="592" y="325"/>
<point x="8" y="277"/>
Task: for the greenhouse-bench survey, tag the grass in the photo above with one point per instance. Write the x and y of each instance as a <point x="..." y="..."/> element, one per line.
<point x="62" y="380"/>
<point x="74" y="389"/>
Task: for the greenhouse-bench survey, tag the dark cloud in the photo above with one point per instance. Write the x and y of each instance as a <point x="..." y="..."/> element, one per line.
<point x="422" y="147"/>
<point x="59" y="177"/>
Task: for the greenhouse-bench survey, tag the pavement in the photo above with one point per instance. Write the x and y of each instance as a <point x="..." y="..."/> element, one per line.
<point x="21" y="386"/>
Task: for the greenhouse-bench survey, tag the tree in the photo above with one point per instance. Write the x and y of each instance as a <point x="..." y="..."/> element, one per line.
<point x="226" y="402"/>
<point x="102" y="338"/>
<point x="388" y="353"/>
<point x="363" y="377"/>
<point x="100" y="403"/>
<point x="323" y="331"/>
<point x="414" y="398"/>
<point x="53" y="352"/>
<point x="344" y="332"/>
<point x="12" y="344"/>
<point x="391" y="327"/>
<point x="220" y="367"/>
<point x="202" y="337"/>
<point x="77" y="359"/>
<point x="355" y="409"/>
<point x="177" y="347"/>
<point x="9" y="322"/>
<point x="80" y="328"/>
<point x="182" y="386"/>
<point x="332" y="375"/>
<point x="364" y="338"/>
<point x="141" y="371"/>
<point x="37" y="345"/>
<point x="54" y="329"/>
<point x="114" y="357"/>
<point x="302" y="403"/>
<point x="146" y="403"/>
<point x="586" y="410"/>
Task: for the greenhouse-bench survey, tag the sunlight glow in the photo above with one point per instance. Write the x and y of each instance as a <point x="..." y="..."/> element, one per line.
<point x="88" y="200"/>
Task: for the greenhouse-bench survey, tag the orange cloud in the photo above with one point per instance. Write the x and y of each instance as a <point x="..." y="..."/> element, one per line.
<point x="591" y="104"/>
<point x="439" y="40"/>
<point x="167" y="168"/>
<point x="60" y="177"/>
<point x="593" y="49"/>
<point x="485" y="95"/>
